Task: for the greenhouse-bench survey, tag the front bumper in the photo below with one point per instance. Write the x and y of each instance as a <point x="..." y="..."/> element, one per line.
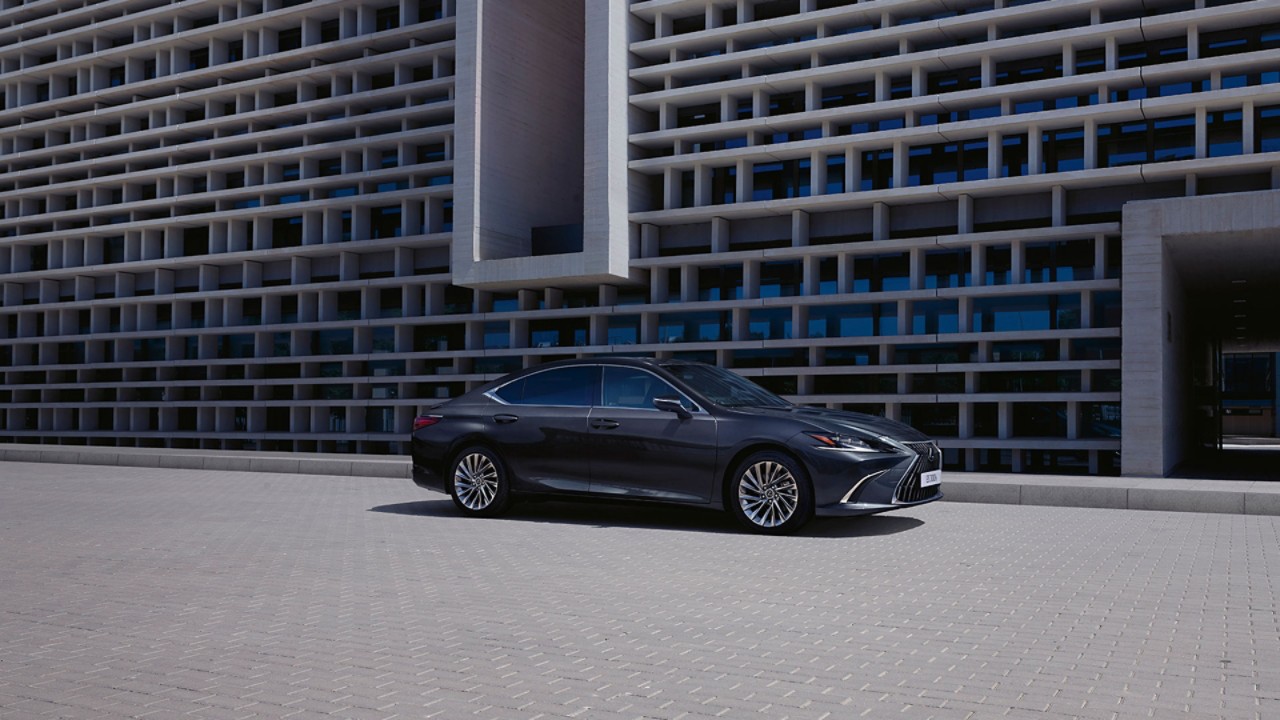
<point x="849" y="483"/>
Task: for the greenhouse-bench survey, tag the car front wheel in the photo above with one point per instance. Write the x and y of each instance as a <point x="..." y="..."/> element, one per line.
<point x="479" y="484"/>
<point x="770" y="494"/>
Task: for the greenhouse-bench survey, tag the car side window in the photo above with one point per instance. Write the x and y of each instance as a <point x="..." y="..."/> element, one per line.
<point x="626" y="387"/>
<point x="571" y="386"/>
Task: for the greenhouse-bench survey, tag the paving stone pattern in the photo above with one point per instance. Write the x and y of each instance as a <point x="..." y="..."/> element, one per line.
<point x="147" y="592"/>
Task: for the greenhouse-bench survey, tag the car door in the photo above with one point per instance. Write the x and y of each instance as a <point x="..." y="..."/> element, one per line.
<point x="539" y="424"/>
<point x="639" y="451"/>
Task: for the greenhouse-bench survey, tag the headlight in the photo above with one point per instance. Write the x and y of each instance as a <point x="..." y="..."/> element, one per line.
<point x="850" y="442"/>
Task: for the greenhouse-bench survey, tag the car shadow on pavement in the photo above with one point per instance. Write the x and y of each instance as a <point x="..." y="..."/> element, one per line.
<point x="656" y="517"/>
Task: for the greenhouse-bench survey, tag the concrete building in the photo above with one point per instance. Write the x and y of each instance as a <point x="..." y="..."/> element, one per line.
<point x="1019" y="226"/>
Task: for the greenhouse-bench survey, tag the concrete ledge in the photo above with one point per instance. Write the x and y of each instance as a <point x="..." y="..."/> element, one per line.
<point x="274" y="465"/>
<point x="219" y="460"/>
<point x="1095" y="494"/>
<point x="1205" y="501"/>
<point x="1121" y="493"/>
<point x="970" y="491"/>
<point x="1262" y="502"/>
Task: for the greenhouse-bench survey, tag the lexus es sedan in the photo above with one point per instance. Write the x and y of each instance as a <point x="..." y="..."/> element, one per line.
<point x="669" y="431"/>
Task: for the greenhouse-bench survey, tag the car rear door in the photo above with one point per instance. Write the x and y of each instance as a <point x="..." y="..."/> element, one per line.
<point x="540" y="427"/>
<point x="639" y="451"/>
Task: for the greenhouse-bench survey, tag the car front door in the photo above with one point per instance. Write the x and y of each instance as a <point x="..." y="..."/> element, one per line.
<point x="639" y="451"/>
<point x="540" y="427"/>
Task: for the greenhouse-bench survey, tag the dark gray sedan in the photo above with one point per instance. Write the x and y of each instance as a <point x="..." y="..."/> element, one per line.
<point x="669" y="431"/>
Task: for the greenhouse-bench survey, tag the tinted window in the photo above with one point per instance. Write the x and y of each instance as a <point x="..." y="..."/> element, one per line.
<point x="634" y="388"/>
<point x="563" y="386"/>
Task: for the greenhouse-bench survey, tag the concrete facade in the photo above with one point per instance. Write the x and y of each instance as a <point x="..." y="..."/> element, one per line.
<point x="1221" y="241"/>
<point x="293" y="226"/>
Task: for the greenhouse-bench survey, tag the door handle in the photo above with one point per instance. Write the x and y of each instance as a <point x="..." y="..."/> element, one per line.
<point x="504" y="419"/>
<point x="602" y="424"/>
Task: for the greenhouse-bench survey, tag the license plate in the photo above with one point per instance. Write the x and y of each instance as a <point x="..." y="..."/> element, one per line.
<point x="930" y="478"/>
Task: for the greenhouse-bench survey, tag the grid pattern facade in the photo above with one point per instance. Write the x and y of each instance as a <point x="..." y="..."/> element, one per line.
<point x="214" y="214"/>
<point x="229" y="225"/>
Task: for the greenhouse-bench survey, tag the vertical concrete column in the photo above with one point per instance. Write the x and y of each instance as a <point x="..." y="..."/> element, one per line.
<point x="1090" y="144"/>
<point x="1202" y="132"/>
<point x="670" y="188"/>
<point x="745" y="181"/>
<point x="799" y="228"/>
<point x="817" y="173"/>
<point x="1035" y="149"/>
<point x="844" y="273"/>
<point x="852" y="170"/>
<point x="899" y="164"/>
<point x="689" y="283"/>
<point x="964" y="214"/>
<point x="1247" y="130"/>
<point x="916" y="279"/>
<point x="880" y="221"/>
<point x="702" y="185"/>
<point x="800" y="322"/>
<point x="994" y="151"/>
<point x="659" y="285"/>
<point x="811" y="284"/>
<point x="1017" y="261"/>
<point x="1142" y="364"/>
<point x="751" y="279"/>
<point x="1058" y="203"/>
<point x="1068" y="60"/>
<point x="719" y="235"/>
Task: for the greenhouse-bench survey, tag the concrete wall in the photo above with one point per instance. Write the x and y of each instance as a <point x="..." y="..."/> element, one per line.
<point x="531" y="121"/>
<point x="542" y="140"/>
<point x="521" y="127"/>
<point x="1156" y="368"/>
<point x="1142" y="362"/>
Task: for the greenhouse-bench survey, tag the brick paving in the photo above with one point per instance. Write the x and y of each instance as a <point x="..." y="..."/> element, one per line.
<point x="136" y="592"/>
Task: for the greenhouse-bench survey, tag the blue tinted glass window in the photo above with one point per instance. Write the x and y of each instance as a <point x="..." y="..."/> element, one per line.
<point x="571" y="386"/>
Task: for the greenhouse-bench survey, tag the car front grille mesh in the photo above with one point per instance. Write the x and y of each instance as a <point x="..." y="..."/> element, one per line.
<point x="929" y="458"/>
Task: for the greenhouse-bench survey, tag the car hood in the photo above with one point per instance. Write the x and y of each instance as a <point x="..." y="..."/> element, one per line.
<point x="837" y="420"/>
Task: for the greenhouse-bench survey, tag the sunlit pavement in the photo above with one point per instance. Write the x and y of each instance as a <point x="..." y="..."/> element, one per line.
<point x="147" y="592"/>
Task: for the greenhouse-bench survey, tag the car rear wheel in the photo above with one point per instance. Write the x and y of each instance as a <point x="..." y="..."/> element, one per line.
<point x="479" y="484"/>
<point x="770" y="494"/>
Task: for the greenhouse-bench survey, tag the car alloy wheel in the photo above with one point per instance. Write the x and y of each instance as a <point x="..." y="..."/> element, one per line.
<point x="771" y="494"/>
<point x="479" y="482"/>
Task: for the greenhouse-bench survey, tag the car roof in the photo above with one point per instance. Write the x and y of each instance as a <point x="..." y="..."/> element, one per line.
<point x="626" y="361"/>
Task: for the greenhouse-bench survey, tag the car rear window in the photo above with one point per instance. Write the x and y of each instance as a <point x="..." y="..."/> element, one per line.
<point x="571" y="386"/>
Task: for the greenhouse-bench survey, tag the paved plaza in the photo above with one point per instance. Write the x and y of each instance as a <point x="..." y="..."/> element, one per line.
<point x="162" y="593"/>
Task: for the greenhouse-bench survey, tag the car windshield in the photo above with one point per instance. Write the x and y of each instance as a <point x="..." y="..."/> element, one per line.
<point x="723" y="387"/>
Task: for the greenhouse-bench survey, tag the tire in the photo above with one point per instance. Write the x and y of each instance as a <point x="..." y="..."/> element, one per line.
<point x="478" y="483"/>
<point x="769" y="493"/>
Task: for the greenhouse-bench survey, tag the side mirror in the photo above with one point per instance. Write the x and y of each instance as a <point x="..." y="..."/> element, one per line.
<point x="672" y="405"/>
